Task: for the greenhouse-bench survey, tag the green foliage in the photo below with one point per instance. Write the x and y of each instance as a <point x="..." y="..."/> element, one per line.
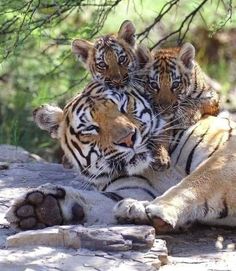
<point x="37" y="65"/>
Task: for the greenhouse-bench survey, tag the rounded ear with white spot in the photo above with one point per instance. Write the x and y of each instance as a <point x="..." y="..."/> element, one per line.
<point x="81" y="49"/>
<point x="48" y="118"/>
<point x="143" y="55"/>
<point x="127" y="32"/>
<point x="187" y="55"/>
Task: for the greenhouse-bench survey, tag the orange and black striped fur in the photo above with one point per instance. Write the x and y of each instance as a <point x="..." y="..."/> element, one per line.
<point x="178" y="90"/>
<point x="109" y="137"/>
<point x="113" y="59"/>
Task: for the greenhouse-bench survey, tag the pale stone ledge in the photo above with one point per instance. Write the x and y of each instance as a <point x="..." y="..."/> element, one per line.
<point x="114" y="238"/>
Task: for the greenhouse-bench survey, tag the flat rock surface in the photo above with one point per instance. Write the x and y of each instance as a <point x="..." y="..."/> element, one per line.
<point x="105" y="238"/>
<point x="202" y="248"/>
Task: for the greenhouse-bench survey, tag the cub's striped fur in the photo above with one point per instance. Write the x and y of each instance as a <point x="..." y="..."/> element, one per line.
<point x="113" y="59"/>
<point x="178" y="90"/>
<point x="178" y="87"/>
<point x="109" y="137"/>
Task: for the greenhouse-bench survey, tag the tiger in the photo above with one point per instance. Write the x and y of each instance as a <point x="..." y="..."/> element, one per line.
<point x="109" y="136"/>
<point x="114" y="59"/>
<point x="179" y="91"/>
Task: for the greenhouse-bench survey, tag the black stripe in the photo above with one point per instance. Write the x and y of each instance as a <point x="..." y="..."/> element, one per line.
<point x="78" y="162"/>
<point x="199" y="94"/>
<point x="230" y="130"/>
<point x="144" y="179"/>
<point x="190" y="157"/>
<point x="113" y="196"/>
<point x="216" y="147"/>
<point x="78" y="148"/>
<point x="185" y="143"/>
<point x="224" y="211"/>
<point x="127" y="176"/>
<point x="205" y="208"/>
<point x="177" y="142"/>
<point x="138" y="188"/>
<point x="113" y="181"/>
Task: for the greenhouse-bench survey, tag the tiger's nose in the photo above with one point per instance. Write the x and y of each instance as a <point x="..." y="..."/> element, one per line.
<point x="128" y="140"/>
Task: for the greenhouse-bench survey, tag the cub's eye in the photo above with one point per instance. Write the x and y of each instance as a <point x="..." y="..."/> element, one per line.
<point x="175" y="84"/>
<point x="90" y="130"/>
<point x="153" y="85"/>
<point x="101" y="65"/>
<point x="122" y="59"/>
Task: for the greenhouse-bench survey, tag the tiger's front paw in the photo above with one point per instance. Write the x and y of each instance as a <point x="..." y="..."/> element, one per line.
<point x="131" y="211"/>
<point x="162" y="218"/>
<point x="42" y="207"/>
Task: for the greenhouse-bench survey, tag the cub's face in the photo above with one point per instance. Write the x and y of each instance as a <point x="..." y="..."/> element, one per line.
<point x="112" y="59"/>
<point x="112" y="62"/>
<point x="103" y="132"/>
<point x="170" y="76"/>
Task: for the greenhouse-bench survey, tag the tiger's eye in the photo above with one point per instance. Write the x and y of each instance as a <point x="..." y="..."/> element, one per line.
<point x="175" y="84"/>
<point x="153" y="85"/>
<point x="122" y="59"/>
<point x="90" y="130"/>
<point x="101" y="65"/>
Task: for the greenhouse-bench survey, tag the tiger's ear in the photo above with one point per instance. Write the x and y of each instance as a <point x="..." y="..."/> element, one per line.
<point x="127" y="31"/>
<point x="81" y="49"/>
<point x="48" y="118"/>
<point x="187" y="55"/>
<point x="144" y="55"/>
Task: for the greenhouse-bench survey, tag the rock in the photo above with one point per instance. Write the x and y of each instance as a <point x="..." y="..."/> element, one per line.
<point x="114" y="238"/>
<point x="4" y="165"/>
<point x="9" y="153"/>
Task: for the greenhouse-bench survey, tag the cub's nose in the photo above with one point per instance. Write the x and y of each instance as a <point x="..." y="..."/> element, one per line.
<point x="128" y="140"/>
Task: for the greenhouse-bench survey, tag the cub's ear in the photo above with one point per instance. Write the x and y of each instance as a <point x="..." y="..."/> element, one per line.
<point x="187" y="55"/>
<point x="81" y="49"/>
<point x="127" y="31"/>
<point x="48" y="118"/>
<point x="144" y="56"/>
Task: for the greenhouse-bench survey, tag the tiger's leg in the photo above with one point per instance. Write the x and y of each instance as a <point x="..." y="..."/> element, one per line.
<point x="50" y="205"/>
<point x="208" y="195"/>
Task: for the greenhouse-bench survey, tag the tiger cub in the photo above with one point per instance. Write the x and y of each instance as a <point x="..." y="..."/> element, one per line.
<point x="113" y="59"/>
<point x="179" y="92"/>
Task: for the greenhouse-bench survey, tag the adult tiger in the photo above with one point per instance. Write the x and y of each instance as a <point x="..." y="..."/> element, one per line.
<point x="113" y="59"/>
<point x="109" y="137"/>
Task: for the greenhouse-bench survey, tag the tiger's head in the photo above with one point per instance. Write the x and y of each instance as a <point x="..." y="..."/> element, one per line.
<point x="113" y="59"/>
<point x="103" y="132"/>
<point x="171" y="76"/>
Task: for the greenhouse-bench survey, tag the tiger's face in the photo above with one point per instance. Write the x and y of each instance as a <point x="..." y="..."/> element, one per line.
<point x="103" y="132"/>
<point x="113" y="62"/>
<point x="112" y="59"/>
<point x="170" y="76"/>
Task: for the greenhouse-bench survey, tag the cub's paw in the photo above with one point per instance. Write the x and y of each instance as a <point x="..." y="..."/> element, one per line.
<point x="161" y="163"/>
<point x="162" y="218"/>
<point x="131" y="211"/>
<point x="45" y="206"/>
<point x="161" y="159"/>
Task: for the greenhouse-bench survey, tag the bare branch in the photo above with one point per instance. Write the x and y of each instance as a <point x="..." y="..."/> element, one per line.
<point x="165" y="9"/>
<point x="185" y="23"/>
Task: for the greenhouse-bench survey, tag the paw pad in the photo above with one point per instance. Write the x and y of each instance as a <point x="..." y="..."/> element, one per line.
<point x="39" y="211"/>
